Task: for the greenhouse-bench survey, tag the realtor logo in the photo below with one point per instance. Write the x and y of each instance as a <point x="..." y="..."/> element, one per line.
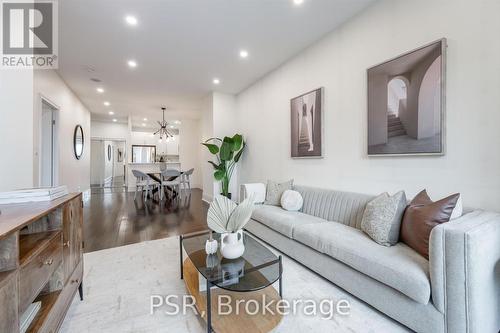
<point x="29" y="38"/>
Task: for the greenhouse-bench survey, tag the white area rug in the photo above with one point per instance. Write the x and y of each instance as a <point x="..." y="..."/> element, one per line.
<point x="118" y="283"/>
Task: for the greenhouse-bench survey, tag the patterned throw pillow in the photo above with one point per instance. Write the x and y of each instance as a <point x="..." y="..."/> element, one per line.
<point x="274" y="191"/>
<point x="382" y="218"/>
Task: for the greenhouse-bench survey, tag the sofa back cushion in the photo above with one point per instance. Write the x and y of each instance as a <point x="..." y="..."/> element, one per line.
<point x="343" y="207"/>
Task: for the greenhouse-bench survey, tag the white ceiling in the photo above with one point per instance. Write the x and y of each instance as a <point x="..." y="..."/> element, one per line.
<point x="180" y="46"/>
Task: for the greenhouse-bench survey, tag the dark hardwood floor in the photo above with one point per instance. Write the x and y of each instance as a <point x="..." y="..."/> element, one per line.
<point x="115" y="219"/>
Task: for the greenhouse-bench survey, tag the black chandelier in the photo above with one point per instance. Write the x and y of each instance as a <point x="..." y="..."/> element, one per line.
<point x="163" y="127"/>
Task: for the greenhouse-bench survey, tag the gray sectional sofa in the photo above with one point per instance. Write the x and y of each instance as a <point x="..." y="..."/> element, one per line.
<point x="456" y="290"/>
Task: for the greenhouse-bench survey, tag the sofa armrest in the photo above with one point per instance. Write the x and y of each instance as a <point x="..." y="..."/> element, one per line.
<point x="257" y="189"/>
<point x="464" y="266"/>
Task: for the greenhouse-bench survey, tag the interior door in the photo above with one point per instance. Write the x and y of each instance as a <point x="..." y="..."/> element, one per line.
<point x="47" y="155"/>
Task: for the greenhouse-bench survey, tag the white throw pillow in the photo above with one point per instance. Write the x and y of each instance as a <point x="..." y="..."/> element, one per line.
<point x="291" y="200"/>
<point x="458" y="210"/>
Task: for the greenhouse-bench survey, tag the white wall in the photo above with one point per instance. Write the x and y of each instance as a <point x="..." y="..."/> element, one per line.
<point x="96" y="162"/>
<point x="190" y="149"/>
<point x="108" y="130"/>
<point x="71" y="112"/>
<point x="16" y="124"/>
<point x="207" y="132"/>
<point x="339" y="62"/>
<point x="218" y="120"/>
<point x="224" y="118"/>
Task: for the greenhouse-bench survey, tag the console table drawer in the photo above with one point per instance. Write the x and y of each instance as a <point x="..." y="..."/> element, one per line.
<point x="36" y="273"/>
<point x="58" y="311"/>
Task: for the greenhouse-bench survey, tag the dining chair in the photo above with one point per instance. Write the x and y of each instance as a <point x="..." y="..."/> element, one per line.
<point x="170" y="179"/>
<point x="144" y="182"/>
<point x="186" y="179"/>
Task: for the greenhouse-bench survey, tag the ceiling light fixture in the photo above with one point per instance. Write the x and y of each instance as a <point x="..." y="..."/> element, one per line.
<point x="143" y="125"/>
<point x="100" y="90"/>
<point x="111" y="113"/>
<point x="132" y="64"/>
<point x="131" y="20"/>
<point x="107" y="103"/>
<point x="115" y="120"/>
<point x="177" y="122"/>
<point x="216" y="81"/>
<point x="163" y="132"/>
<point x="145" y="119"/>
<point x="243" y="54"/>
<point x="298" y="2"/>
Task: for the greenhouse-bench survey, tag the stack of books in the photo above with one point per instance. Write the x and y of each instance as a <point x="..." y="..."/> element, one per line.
<point x="28" y="316"/>
<point x="33" y="194"/>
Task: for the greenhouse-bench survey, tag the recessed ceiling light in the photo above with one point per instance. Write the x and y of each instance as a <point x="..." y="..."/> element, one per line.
<point x="100" y="90"/>
<point x="132" y="63"/>
<point x="107" y="104"/>
<point x="243" y="54"/>
<point x="298" y="2"/>
<point x="111" y="113"/>
<point x="216" y="81"/>
<point x="145" y="119"/>
<point x="131" y="20"/>
<point x="114" y="120"/>
<point x="143" y="124"/>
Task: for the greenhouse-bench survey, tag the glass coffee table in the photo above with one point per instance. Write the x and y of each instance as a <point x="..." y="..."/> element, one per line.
<point x="212" y="279"/>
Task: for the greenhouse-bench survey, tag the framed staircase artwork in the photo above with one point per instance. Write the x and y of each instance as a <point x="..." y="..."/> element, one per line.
<point x="406" y="103"/>
<point x="306" y="116"/>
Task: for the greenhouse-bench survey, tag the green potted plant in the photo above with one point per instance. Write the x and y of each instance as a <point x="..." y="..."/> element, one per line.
<point x="228" y="152"/>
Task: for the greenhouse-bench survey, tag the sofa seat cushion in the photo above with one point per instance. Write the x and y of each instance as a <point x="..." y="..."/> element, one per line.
<point x="281" y="220"/>
<point x="398" y="266"/>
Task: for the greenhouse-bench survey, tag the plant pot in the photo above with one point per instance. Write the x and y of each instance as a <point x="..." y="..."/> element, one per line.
<point x="228" y="195"/>
<point x="232" y="246"/>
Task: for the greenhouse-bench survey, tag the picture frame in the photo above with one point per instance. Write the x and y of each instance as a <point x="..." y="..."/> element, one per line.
<point x="406" y="103"/>
<point x="306" y="124"/>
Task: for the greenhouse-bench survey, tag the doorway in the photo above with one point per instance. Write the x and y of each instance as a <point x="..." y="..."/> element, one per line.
<point x="107" y="164"/>
<point x="48" y="153"/>
<point x="397" y="90"/>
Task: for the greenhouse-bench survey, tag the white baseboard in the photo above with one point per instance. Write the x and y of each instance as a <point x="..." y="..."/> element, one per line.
<point x="207" y="198"/>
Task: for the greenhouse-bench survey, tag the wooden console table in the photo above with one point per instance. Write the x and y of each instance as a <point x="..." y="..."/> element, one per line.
<point x="41" y="259"/>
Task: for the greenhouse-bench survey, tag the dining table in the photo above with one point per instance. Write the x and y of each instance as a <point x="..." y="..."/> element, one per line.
<point x="156" y="176"/>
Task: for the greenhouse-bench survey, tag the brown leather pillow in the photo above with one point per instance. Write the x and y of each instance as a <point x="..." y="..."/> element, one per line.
<point x="421" y="215"/>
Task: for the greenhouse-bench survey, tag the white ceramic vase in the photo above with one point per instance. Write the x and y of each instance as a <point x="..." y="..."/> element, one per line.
<point x="231" y="245"/>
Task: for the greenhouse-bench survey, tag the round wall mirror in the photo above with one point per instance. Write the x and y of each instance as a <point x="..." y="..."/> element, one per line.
<point x="78" y="141"/>
<point x="109" y="152"/>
